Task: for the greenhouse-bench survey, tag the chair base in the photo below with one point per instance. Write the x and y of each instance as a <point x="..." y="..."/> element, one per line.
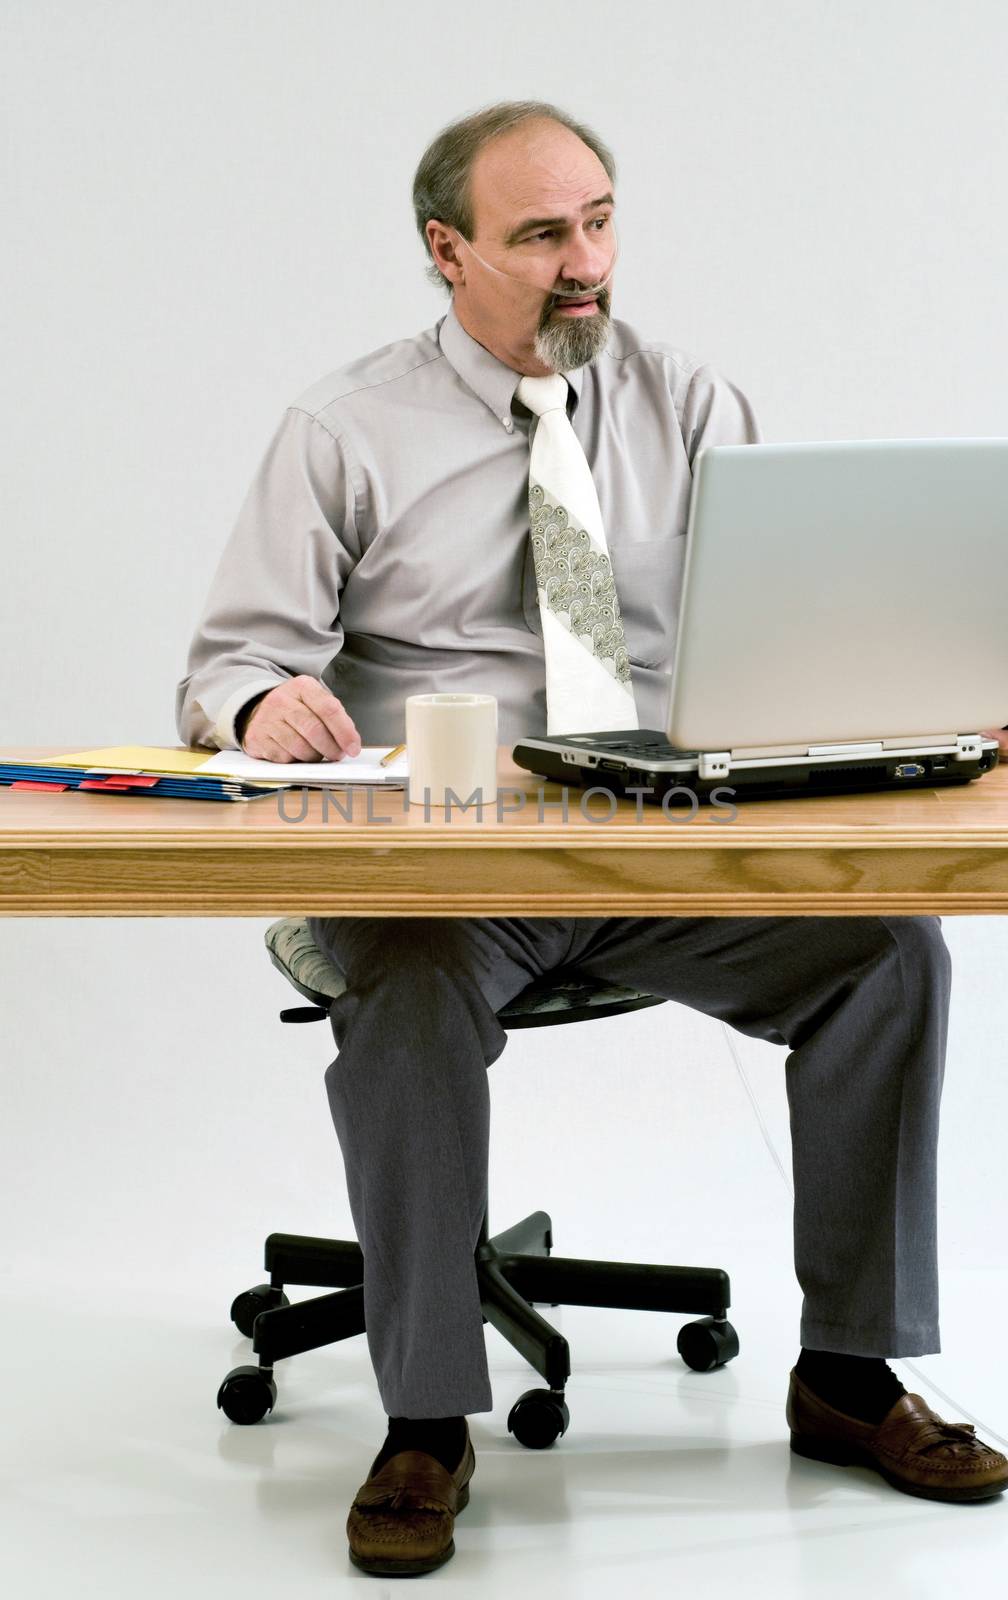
<point x="515" y="1270"/>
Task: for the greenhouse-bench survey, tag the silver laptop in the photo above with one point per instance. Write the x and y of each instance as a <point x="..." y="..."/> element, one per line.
<point x="841" y="627"/>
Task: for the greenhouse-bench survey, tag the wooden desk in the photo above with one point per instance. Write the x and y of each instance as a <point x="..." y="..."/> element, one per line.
<point x="941" y="851"/>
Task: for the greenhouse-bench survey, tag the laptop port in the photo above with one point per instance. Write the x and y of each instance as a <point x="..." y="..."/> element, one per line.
<point x="910" y="769"/>
<point x="612" y="766"/>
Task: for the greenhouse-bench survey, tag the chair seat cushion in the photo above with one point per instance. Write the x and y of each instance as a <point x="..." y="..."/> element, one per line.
<point x="294" y="952"/>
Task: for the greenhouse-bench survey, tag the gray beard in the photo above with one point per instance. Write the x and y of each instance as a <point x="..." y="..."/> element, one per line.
<point x="563" y="343"/>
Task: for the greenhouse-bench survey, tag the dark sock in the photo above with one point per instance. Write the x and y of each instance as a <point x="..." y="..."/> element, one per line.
<point x="860" y="1386"/>
<point x="441" y="1437"/>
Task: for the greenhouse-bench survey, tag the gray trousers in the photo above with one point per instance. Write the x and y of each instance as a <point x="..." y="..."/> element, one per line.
<point x="861" y="1003"/>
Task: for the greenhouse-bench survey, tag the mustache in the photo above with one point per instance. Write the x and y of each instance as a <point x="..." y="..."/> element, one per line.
<point x="586" y="294"/>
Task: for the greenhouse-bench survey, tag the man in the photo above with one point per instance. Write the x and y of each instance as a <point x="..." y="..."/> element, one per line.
<point x="384" y="550"/>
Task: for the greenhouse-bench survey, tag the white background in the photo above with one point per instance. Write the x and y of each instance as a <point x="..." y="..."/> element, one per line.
<point x="207" y="207"/>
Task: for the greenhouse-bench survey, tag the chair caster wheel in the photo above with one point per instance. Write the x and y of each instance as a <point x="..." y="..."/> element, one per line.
<point x="246" y="1306"/>
<point x="246" y="1394"/>
<point x="707" y="1343"/>
<point x="538" y="1418"/>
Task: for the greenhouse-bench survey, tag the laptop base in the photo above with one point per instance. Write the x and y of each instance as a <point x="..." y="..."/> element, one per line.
<point x="642" y="759"/>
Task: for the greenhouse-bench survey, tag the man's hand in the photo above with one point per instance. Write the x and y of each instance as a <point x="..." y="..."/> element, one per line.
<point x="300" y="720"/>
<point x="1001" y="735"/>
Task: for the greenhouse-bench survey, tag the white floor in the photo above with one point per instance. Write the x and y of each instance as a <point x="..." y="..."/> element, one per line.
<point x="137" y="1197"/>
<point x="122" y="1479"/>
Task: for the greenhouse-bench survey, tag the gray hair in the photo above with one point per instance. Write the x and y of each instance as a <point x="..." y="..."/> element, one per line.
<point x="441" y="184"/>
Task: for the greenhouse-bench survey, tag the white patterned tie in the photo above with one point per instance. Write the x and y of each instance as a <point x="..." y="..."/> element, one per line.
<point x="588" y="687"/>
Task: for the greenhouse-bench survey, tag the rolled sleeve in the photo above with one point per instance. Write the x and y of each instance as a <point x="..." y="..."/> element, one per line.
<point x="272" y="612"/>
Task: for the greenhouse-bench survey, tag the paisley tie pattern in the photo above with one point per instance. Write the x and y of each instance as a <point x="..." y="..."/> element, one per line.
<point x="579" y="583"/>
<point x="588" y="679"/>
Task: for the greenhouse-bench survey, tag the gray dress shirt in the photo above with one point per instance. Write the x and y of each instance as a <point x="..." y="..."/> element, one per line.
<point x="383" y="546"/>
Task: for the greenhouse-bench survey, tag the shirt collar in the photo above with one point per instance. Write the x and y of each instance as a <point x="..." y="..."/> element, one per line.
<point x="488" y="378"/>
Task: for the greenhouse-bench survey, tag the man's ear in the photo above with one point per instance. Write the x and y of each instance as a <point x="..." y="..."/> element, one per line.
<point x="455" y="257"/>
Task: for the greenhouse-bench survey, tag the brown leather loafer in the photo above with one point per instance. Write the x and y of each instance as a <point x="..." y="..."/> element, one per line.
<point x="402" y="1520"/>
<point x="912" y="1447"/>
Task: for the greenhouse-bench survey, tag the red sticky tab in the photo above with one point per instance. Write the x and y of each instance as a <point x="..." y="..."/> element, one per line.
<point x="30" y="783"/>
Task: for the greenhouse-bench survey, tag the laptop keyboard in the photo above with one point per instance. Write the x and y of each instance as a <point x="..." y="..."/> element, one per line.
<point x="642" y="744"/>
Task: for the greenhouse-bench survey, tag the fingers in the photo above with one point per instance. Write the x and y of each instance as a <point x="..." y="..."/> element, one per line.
<point x="327" y="720"/>
<point x="300" y="720"/>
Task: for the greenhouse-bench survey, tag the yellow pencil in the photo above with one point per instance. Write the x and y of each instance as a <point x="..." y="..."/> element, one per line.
<point x="396" y="751"/>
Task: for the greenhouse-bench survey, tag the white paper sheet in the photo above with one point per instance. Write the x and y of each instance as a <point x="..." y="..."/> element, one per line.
<point x="363" y="768"/>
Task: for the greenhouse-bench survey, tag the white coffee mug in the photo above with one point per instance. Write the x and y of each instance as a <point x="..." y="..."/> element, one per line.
<point x="451" y="743"/>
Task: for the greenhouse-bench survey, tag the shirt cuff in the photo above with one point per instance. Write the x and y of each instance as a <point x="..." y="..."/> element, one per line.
<point x="224" y="727"/>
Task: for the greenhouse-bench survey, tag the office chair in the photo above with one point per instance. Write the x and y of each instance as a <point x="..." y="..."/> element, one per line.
<point x="515" y="1269"/>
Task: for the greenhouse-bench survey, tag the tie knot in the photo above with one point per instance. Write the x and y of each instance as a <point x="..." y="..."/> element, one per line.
<point x="544" y="394"/>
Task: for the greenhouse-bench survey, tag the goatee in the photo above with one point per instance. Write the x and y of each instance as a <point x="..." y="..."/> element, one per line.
<point x="564" y="342"/>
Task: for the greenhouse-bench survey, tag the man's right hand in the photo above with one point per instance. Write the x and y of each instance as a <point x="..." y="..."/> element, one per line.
<point x="300" y="720"/>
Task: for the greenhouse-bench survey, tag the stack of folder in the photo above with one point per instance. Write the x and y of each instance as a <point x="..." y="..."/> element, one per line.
<point x="132" y="769"/>
<point x="182" y="773"/>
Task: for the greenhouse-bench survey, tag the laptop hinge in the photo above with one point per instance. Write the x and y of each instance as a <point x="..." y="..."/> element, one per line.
<point x="717" y="763"/>
<point x="967" y="747"/>
<point x="714" y="763"/>
<point x="860" y="747"/>
<point x="771" y="752"/>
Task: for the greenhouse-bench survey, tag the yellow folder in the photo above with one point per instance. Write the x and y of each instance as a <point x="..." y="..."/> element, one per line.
<point x="150" y="758"/>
